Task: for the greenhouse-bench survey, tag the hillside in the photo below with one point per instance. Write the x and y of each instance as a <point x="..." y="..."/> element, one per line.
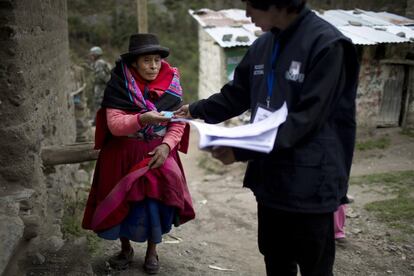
<point x="110" y="23"/>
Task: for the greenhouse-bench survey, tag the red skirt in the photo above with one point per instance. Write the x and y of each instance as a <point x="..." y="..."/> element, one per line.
<point x="116" y="159"/>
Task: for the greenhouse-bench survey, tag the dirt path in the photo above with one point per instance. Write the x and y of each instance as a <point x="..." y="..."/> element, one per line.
<point x="224" y="233"/>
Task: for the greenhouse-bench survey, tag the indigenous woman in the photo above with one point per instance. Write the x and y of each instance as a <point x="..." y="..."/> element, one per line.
<point x="139" y="188"/>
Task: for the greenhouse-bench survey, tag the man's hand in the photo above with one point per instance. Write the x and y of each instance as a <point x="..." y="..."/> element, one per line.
<point x="153" y="118"/>
<point x="183" y="112"/>
<point x="224" y="154"/>
<point x="159" y="154"/>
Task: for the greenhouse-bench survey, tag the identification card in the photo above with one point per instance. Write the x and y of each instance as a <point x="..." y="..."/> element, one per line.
<point x="262" y="112"/>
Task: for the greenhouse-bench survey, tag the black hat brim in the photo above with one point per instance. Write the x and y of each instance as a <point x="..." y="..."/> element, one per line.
<point x="162" y="51"/>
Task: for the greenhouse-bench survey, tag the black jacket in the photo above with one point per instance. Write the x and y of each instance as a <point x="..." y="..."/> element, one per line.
<point x="316" y="73"/>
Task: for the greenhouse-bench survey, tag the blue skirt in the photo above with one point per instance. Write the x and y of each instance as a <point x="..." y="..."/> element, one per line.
<point x="147" y="220"/>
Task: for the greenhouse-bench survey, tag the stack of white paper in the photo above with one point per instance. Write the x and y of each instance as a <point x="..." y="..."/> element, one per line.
<point x="258" y="136"/>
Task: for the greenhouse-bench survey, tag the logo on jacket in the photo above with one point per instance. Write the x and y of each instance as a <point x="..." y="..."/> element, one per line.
<point x="294" y="72"/>
<point x="258" y="69"/>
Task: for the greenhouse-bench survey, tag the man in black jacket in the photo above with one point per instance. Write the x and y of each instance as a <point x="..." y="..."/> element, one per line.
<point x="306" y="62"/>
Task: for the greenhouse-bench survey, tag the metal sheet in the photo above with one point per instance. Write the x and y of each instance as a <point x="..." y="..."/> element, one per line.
<point x="371" y="34"/>
<point x="362" y="27"/>
<point x="235" y="35"/>
<point x="392" y="18"/>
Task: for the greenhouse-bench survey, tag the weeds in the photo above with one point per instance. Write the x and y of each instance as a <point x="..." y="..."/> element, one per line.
<point x="71" y="227"/>
<point x="398" y="212"/>
<point x="381" y="143"/>
<point x="408" y="132"/>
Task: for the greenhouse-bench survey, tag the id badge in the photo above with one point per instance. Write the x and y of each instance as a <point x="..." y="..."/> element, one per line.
<point x="262" y="112"/>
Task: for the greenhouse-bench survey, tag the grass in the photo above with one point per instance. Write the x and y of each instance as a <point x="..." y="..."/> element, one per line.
<point x="391" y="181"/>
<point x="397" y="212"/>
<point x="408" y="132"/>
<point x="71" y="228"/>
<point x="381" y="143"/>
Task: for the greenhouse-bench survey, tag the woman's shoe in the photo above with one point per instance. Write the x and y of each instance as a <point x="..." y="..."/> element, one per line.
<point x="151" y="264"/>
<point x="122" y="260"/>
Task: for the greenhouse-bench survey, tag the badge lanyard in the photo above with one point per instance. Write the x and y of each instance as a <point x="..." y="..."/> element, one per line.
<point x="271" y="75"/>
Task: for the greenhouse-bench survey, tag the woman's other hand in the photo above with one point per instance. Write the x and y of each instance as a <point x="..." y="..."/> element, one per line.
<point x="183" y="112"/>
<point x="159" y="154"/>
<point x="152" y="118"/>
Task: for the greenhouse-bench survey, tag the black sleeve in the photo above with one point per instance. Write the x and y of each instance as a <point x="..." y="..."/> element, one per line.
<point x="233" y="99"/>
<point x="323" y="85"/>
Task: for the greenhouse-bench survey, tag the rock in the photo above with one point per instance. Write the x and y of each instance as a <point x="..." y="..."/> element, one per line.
<point x="11" y="233"/>
<point x="350" y="213"/>
<point x="31" y="227"/>
<point x="356" y="231"/>
<point x="9" y="207"/>
<point x="82" y="241"/>
<point x="82" y="176"/>
<point x="212" y="177"/>
<point x="408" y="247"/>
<point x="26" y="205"/>
<point x="242" y="38"/>
<point x="38" y="259"/>
<point x="55" y="243"/>
<point x="23" y="194"/>
<point x="227" y="37"/>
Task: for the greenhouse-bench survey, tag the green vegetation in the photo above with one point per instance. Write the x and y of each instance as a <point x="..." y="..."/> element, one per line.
<point x="408" y="132"/>
<point x="395" y="180"/>
<point x="110" y="23"/>
<point x="397" y="212"/>
<point x="71" y="227"/>
<point x="381" y="143"/>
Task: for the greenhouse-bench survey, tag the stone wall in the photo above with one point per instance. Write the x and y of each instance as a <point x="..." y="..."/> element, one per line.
<point x="36" y="111"/>
<point x="373" y="78"/>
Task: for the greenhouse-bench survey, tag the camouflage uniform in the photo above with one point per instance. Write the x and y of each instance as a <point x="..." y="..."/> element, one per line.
<point x="102" y="73"/>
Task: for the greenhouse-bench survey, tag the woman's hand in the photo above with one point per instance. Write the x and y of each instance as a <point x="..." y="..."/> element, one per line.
<point x="183" y="112"/>
<point x="152" y="118"/>
<point x="159" y="154"/>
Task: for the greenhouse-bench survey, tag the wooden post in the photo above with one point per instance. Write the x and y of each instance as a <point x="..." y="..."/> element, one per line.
<point x="142" y="14"/>
<point x="69" y="154"/>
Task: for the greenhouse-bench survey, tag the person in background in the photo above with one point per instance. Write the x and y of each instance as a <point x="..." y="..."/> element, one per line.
<point x="101" y="74"/>
<point x="339" y="224"/>
<point x="306" y="62"/>
<point x="139" y="188"/>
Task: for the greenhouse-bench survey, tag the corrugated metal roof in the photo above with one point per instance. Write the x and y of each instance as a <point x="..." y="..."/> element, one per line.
<point x="392" y="18"/>
<point x="231" y="28"/>
<point x="231" y="37"/>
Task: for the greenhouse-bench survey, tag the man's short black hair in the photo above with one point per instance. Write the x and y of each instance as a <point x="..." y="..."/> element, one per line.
<point x="290" y="5"/>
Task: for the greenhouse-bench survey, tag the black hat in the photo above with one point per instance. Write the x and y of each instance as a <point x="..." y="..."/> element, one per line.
<point x="144" y="44"/>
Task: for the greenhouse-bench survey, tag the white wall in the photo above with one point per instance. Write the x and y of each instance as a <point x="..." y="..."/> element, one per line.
<point x="211" y="66"/>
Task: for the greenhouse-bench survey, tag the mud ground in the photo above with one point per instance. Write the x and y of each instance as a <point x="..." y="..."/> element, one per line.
<point x="222" y="238"/>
